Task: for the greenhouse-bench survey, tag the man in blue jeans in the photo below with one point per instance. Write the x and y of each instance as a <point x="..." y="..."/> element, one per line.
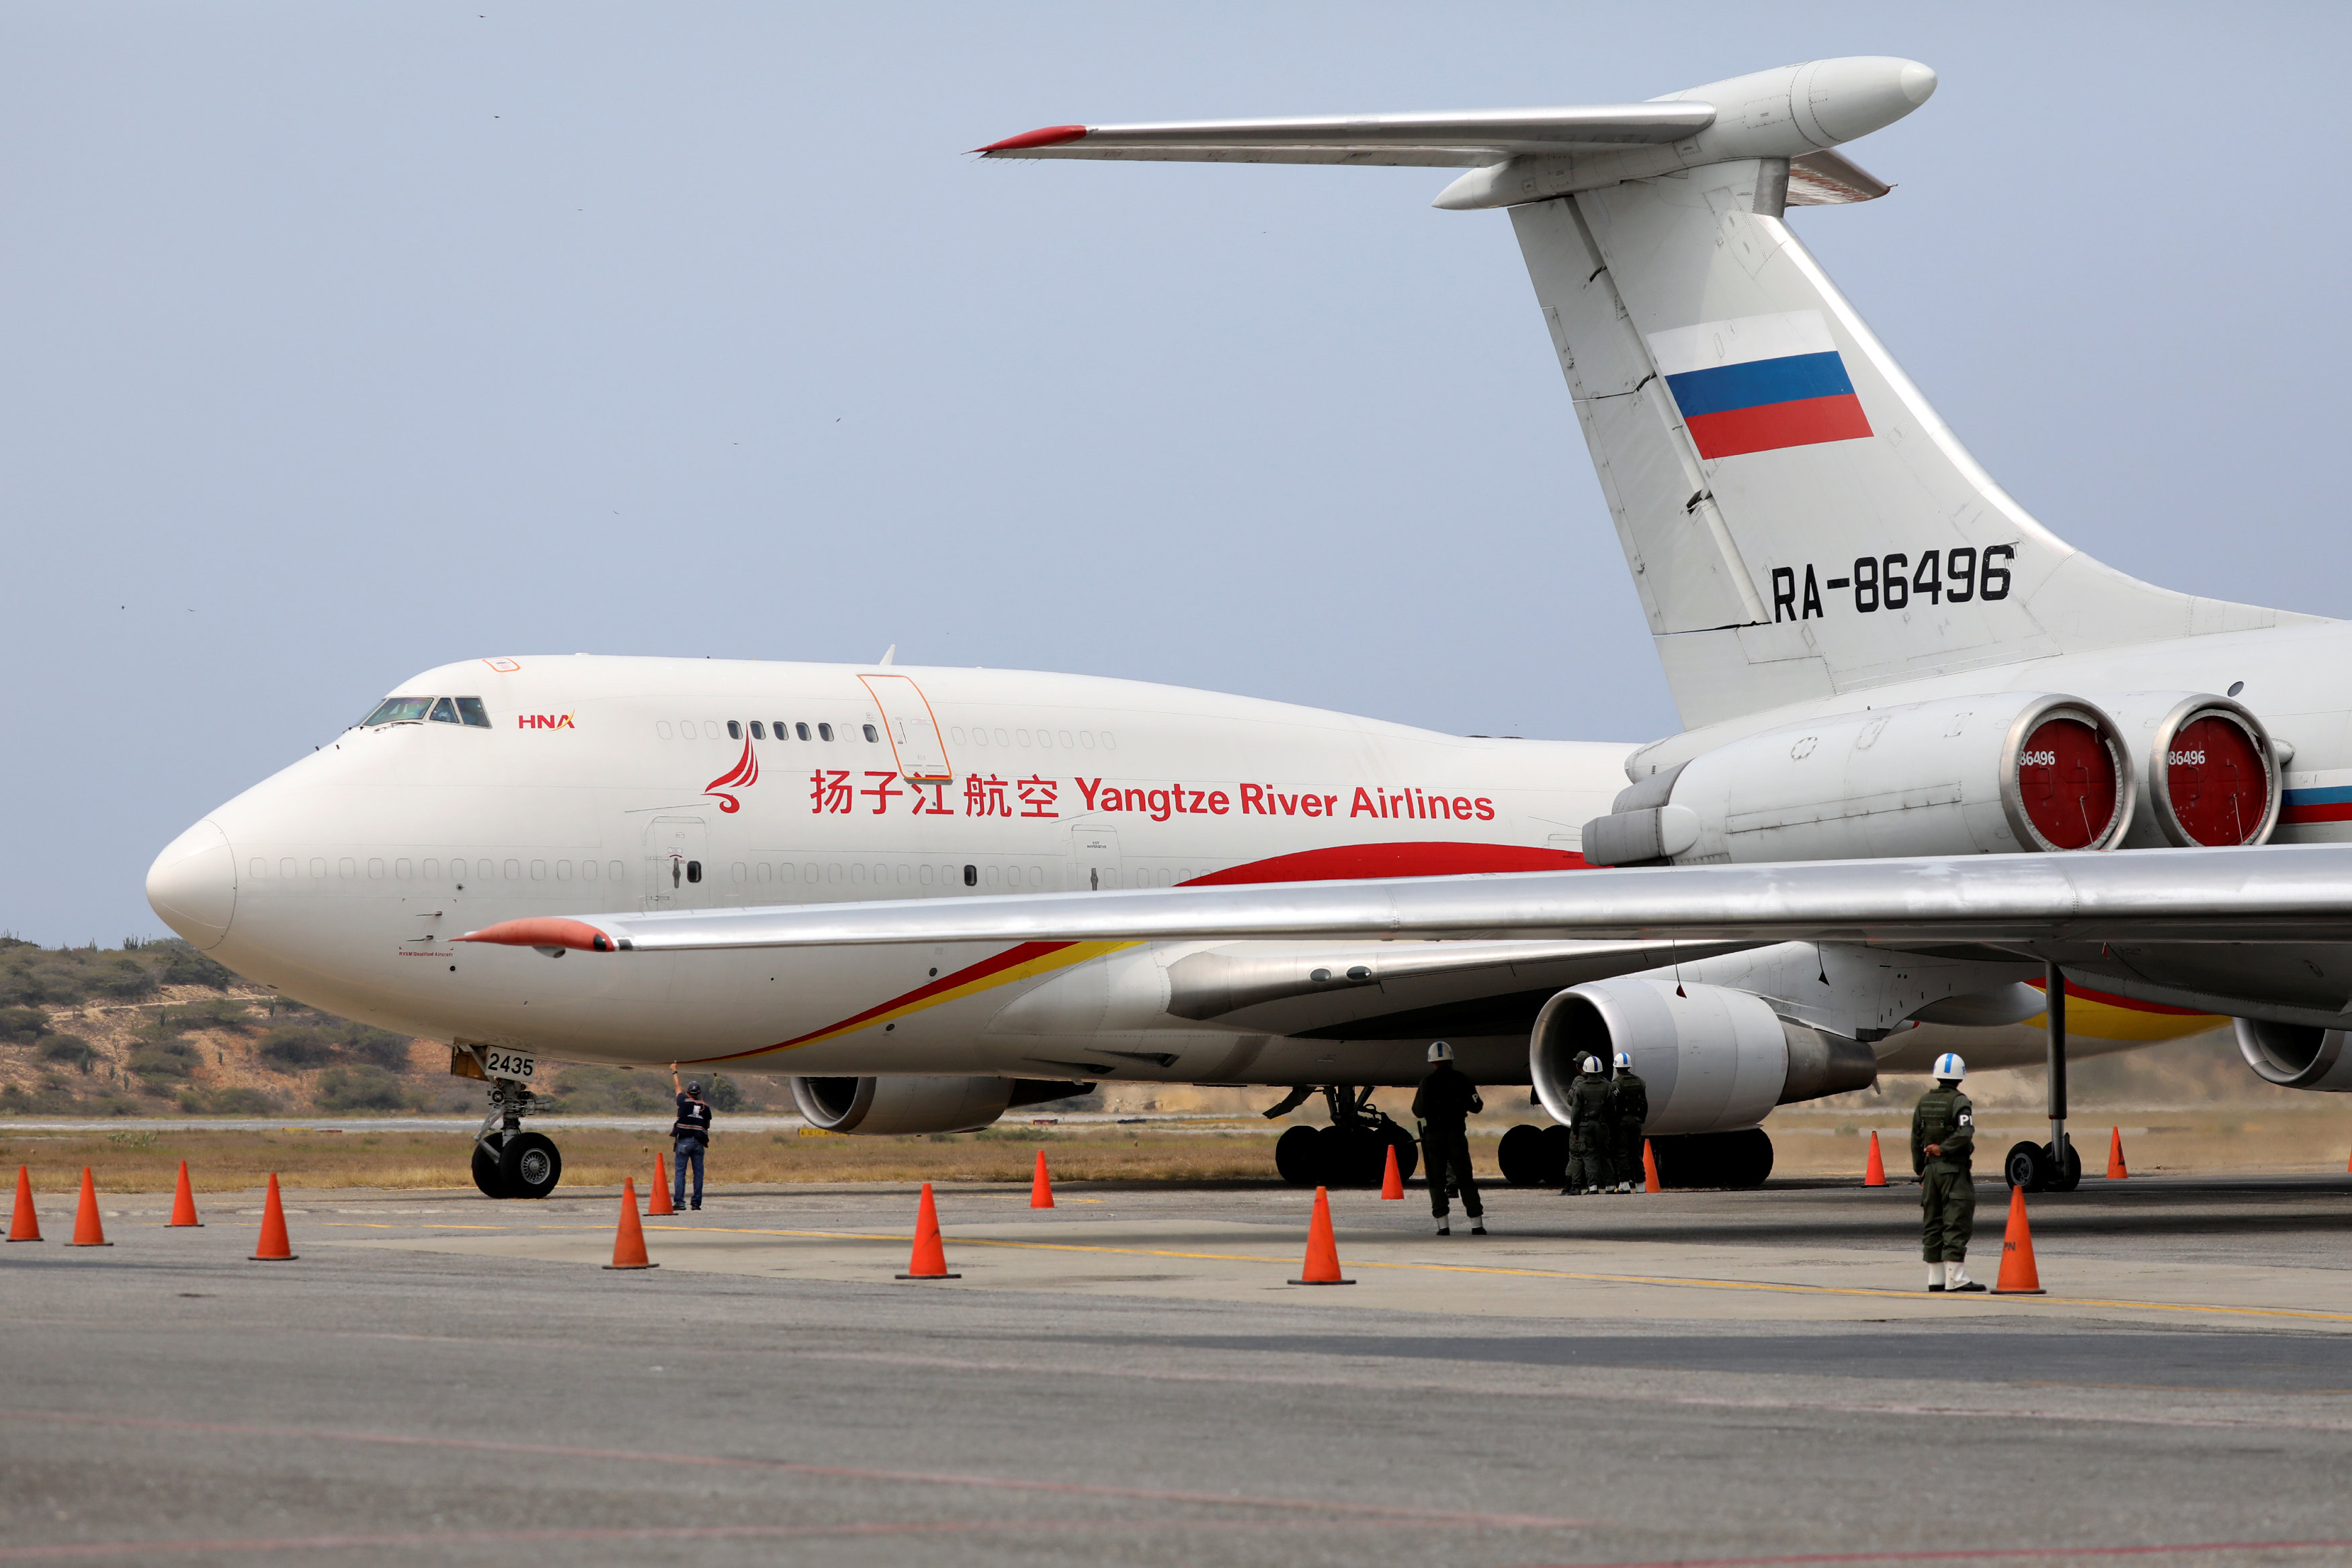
<point x="690" y="1135"/>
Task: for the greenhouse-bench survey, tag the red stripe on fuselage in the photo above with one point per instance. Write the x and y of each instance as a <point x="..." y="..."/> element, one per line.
<point x="1354" y="862"/>
<point x="2130" y="1003"/>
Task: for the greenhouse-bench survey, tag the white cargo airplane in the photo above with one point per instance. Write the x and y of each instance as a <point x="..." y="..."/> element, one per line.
<point x="1919" y="726"/>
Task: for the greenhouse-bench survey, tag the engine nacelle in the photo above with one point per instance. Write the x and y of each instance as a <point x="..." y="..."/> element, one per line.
<point x="1995" y="774"/>
<point x="2296" y="1055"/>
<point x="883" y="1107"/>
<point x="1713" y="1059"/>
<point x="2210" y="773"/>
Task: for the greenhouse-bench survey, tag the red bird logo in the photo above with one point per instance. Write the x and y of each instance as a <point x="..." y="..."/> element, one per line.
<point x="743" y="775"/>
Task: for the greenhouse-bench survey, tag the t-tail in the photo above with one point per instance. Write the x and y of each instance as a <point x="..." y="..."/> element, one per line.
<point x="1797" y="520"/>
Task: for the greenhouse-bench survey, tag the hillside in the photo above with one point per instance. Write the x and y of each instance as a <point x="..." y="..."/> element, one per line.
<point x="154" y="1029"/>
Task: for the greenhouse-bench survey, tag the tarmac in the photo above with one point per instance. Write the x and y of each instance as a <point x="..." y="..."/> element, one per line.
<point x="1726" y="1378"/>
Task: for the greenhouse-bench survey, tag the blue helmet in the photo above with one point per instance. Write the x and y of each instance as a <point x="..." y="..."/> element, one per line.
<point x="1951" y="1069"/>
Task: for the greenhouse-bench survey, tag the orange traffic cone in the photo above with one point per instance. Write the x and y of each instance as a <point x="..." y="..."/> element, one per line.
<point x="629" y="1240"/>
<point x="184" y="1202"/>
<point x="2018" y="1276"/>
<point x="930" y="1259"/>
<point x="1322" y="1250"/>
<point x="1873" y="1169"/>
<point x="1040" y="1186"/>
<point x="26" y="1226"/>
<point x="2116" y="1169"/>
<point x="1650" y="1182"/>
<point x="1392" y="1184"/>
<point x="273" y="1247"/>
<point x="659" y="1203"/>
<point x="88" y="1232"/>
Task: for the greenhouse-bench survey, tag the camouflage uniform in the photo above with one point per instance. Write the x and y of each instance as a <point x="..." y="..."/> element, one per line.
<point x="1948" y="1194"/>
<point x="1592" y="1127"/>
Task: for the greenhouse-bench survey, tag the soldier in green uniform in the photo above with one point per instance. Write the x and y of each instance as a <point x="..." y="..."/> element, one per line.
<point x="1629" y="1106"/>
<point x="1591" y="1128"/>
<point x="1943" y="1136"/>
<point x="1444" y="1102"/>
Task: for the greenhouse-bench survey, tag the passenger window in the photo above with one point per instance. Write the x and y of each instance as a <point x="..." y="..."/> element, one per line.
<point x="694" y="870"/>
<point x="873" y="734"/>
<point x="972" y="876"/>
<point x="758" y="731"/>
<point x="471" y="711"/>
<point x="445" y="712"/>
<point x="398" y="710"/>
<point x="783" y="730"/>
<point x="824" y="732"/>
<point x="734" y="729"/>
<point x="803" y="730"/>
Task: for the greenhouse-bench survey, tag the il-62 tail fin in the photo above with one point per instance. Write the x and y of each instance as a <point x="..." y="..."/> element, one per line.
<point x="1797" y="520"/>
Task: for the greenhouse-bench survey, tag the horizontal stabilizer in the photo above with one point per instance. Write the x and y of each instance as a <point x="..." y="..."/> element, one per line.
<point x="1827" y="179"/>
<point x="1457" y="140"/>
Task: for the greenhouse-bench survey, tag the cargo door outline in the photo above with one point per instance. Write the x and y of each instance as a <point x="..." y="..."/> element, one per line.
<point x="920" y="750"/>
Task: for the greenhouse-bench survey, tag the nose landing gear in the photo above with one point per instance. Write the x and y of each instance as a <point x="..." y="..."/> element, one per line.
<point x="507" y="1161"/>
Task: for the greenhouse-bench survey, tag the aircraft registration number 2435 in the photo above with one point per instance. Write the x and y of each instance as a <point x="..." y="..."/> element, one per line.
<point x="510" y="1064"/>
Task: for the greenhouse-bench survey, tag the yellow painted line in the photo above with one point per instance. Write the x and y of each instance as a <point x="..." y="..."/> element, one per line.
<point x="1693" y="1283"/>
<point x="387" y="1225"/>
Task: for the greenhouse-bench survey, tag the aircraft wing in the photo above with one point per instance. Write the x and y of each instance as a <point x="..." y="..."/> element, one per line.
<point x="1463" y="141"/>
<point x="2297" y="893"/>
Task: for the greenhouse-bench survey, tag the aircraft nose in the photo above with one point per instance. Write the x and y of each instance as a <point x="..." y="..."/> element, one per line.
<point x="193" y="884"/>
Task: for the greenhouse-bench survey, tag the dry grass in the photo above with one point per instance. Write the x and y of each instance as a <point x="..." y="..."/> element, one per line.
<point x="136" y="1159"/>
<point x="1806" y="1143"/>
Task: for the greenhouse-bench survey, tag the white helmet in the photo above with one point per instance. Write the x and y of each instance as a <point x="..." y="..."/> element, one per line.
<point x="1440" y="1051"/>
<point x="1591" y="1066"/>
<point x="1624" y="1063"/>
<point x="1951" y="1069"/>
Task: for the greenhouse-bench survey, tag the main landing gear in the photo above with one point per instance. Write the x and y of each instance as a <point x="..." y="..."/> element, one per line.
<point x="1537" y="1156"/>
<point x="2038" y="1167"/>
<point x="1353" y="1151"/>
<point x="507" y="1161"/>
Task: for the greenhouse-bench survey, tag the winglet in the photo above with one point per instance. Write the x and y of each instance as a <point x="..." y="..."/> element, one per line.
<point x="544" y="931"/>
<point x="1051" y="136"/>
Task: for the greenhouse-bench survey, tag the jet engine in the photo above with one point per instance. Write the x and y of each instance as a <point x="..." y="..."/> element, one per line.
<point x="1994" y="774"/>
<point x="2297" y="1056"/>
<point x="880" y="1107"/>
<point x="2212" y="773"/>
<point x="1713" y="1058"/>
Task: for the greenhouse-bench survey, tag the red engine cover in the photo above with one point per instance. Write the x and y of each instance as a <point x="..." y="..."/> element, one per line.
<point x="2067" y="777"/>
<point x="2215" y="780"/>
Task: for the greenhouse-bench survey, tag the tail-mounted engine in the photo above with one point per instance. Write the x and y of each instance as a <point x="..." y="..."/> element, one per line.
<point x="881" y="1107"/>
<point x="2211" y="773"/>
<point x="1995" y="774"/>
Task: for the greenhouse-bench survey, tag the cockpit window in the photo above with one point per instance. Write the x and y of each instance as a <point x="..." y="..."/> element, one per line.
<point x="445" y="712"/>
<point x="471" y="711"/>
<point x="398" y="710"/>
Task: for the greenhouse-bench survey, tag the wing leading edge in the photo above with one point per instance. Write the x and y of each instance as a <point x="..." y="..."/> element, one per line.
<point x="2294" y="892"/>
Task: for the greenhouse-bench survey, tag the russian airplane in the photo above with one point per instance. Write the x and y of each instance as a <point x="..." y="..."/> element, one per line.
<point x="1939" y="772"/>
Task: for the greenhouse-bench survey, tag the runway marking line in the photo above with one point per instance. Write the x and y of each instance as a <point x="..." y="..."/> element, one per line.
<point x="1767" y="1286"/>
<point x="1394" y="1513"/>
<point x="65" y="1551"/>
<point x="1965" y="1554"/>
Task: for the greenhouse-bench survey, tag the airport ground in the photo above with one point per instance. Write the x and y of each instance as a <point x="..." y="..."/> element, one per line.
<point x="1685" y="1378"/>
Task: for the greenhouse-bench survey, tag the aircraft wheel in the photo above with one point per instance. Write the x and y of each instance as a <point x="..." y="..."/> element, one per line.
<point x="531" y="1165"/>
<point x="1741" y="1159"/>
<point x="2073" y="1177"/>
<point x="488" y="1174"/>
<point x="1299" y="1157"/>
<point x="1521" y="1156"/>
<point x="1555" y="1156"/>
<point x="1352" y="1156"/>
<point x="2027" y="1166"/>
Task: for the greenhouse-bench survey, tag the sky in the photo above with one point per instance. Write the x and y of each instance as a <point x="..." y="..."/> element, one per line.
<point x="340" y="343"/>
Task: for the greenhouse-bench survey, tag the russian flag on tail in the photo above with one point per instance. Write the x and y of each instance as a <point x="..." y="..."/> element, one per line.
<point x="1757" y="383"/>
